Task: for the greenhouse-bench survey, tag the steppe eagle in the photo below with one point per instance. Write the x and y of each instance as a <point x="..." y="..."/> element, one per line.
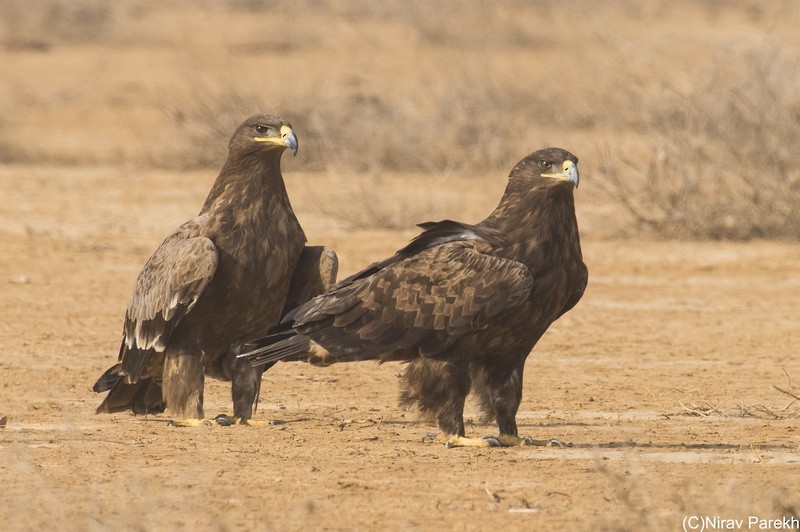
<point x="220" y="278"/>
<point x="462" y="304"/>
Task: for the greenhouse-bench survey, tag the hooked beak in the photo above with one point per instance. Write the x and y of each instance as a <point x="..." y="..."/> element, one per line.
<point x="569" y="173"/>
<point x="287" y="139"/>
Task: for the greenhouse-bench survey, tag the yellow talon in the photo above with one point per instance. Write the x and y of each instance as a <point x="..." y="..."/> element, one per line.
<point x="226" y="421"/>
<point x="222" y="420"/>
<point x="253" y="422"/>
<point x="507" y="440"/>
<point x="461" y="441"/>
<point x="191" y="422"/>
<point x="504" y="440"/>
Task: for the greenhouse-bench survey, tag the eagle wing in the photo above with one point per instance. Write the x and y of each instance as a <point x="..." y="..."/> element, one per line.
<point x="432" y="292"/>
<point x="167" y="289"/>
<point x="314" y="274"/>
<point x="577" y="292"/>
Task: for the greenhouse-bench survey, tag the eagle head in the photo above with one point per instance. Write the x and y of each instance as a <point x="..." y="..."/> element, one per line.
<point x="549" y="164"/>
<point x="264" y="132"/>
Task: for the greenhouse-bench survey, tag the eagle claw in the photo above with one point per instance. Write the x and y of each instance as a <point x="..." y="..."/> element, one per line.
<point x="492" y="441"/>
<point x="430" y="437"/>
<point x="223" y="420"/>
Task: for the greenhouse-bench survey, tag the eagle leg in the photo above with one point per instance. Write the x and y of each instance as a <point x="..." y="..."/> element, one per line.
<point x="499" y="389"/>
<point x="182" y="382"/>
<point x="438" y="388"/>
<point x="245" y="385"/>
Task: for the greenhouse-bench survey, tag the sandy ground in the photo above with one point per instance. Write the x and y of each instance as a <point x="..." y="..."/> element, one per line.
<point x="658" y="391"/>
<point x="659" y="385"/>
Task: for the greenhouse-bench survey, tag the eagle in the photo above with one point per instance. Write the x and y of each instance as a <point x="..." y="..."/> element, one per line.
<point x="217" y="280"/>
<point x="463" y="305"/>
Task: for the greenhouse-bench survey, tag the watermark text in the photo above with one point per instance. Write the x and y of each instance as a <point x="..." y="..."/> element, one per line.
<point x="702" y="523"/>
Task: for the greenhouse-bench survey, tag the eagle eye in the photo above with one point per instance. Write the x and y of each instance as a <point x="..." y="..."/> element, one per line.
<point x="544" y="164"/>
<point x="261" y="129"/>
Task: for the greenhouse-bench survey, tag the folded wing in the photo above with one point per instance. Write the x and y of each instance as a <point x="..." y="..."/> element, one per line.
<point x="167" y="289"/>
<point x="443" y="285"/>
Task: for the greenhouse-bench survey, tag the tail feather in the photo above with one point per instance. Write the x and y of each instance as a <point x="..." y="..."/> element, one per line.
<point x="109" y="379"/>
<point x="276" y="347"/>
<point x="142" y="397"/>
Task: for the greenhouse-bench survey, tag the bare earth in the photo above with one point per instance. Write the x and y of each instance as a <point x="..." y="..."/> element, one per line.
<point x="655" y="399"/>
<point x="658" y="388"/>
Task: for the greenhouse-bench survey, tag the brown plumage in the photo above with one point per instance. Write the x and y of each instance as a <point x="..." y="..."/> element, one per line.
<point x="462" y="304"/>
<point x="217" y="280"/>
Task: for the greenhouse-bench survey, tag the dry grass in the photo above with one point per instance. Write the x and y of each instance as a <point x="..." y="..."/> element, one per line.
<point x="38" y="25"/>
<point x="636" y="496"/>
<point x="702" y="122"/>
<point x="722" y="159"/>
<point x="458" y="119"/>
<point x="780" y="409"/>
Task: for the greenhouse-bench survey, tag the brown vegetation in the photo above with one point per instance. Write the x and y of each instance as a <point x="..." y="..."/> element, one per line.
<point x="690" y="128"/>
<point x="724" y="158"/>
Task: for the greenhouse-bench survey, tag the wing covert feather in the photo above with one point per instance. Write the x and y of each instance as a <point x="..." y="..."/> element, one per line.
<point x="167" y="288"/>
<point x="442" y="293"/>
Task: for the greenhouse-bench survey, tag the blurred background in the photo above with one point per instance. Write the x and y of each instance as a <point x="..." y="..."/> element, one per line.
<point x="685" y="114"/>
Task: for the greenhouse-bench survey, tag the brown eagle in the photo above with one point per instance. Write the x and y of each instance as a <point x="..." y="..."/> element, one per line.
<point x="218" y="279"/>
<point x="462" y="304"/>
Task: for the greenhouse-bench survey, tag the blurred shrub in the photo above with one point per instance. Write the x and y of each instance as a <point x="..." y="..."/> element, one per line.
<point x="722" y="160"/>
<point x="459" y="118"/>
<point x="41" y="24"/>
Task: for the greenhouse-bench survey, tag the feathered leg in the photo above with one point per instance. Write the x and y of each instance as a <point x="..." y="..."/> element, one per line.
<point x="439" y="389"/>
<point x="500" y="393"/>
<point x="183" y="383"/>
<point x="245" y="388"/>
<point x="314" y="273"/>
<point x="245" y="384"/>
